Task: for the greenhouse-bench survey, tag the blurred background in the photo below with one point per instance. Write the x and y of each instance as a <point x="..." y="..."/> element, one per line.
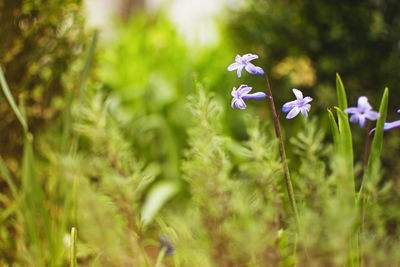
<point x="108" y="83"/>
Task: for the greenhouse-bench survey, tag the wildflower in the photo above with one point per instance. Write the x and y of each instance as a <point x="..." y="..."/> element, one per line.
<point x="296" y="106"/>
<point x="166" y="243"/>
<point x="244" y="62"/>
<point x="362" y="112"/>
<point x="242" y="94"/>
<point x="389" y="125"/>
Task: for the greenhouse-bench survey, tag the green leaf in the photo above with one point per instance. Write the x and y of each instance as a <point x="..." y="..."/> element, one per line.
<point x="34" y="201"/>
<point x="11" y="101"/>
<point x="7" y="177"/>
<point x="345" y="138"/>
<point x="159" y="194"/>
<point x="376" y="147"/>
<point x="334" y="129"/>
<point x="346" y="149"/>
<point x="341" y="93"/>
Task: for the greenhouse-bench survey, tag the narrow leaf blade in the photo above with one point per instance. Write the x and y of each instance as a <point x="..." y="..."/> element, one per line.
<point x="376" y="147"/>
<point x="341" y="93"/>
<point x="334" y="129"/>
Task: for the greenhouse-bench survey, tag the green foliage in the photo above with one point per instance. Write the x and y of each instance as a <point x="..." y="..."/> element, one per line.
<point x="40" y="42"/>
<point x="324" y="239"/>
<point x="230" y="205"/>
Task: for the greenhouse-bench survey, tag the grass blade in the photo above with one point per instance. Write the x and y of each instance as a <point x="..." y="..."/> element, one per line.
<point x="11" y="101"/>
<point x="376" y="147"/>
<point x="334" y="129"/>
<point x="341" y="93"/>
<point x="34" y="200"/>
<point x="346" y="150"/>
<point x="7" y="177"/>
<point x="159" y="194"/>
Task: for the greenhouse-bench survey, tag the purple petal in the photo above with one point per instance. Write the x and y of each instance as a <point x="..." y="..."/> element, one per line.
<point x="289" y="105"/>
<point x="251" y="68"/>
<point x="351" y="110"/>
<point x="361" y="121"/>
<point x="293" y="113"/>
<point x="249" y="57"/>
<point x="304" y="112"/>
<point x="244" y="89"/>
<point x="233" y="66"/>
<point x="307" y="99"/>
<point x="391" y="125"/>
<point x="238" y="59"/>
<point x="363" y="104"/>
<point x="256" y="96"/>
<point x="398" y="111"/>
<point x="233" y="102"/>
<point x="259" y="70"/>
<point x="240" y="103"/>
<point x="239" y="71"/>
<point x="234" y="92"/>
<point x="297" y="93"/>
<point x="372" y="115"/>
<point x="354" y="118"/>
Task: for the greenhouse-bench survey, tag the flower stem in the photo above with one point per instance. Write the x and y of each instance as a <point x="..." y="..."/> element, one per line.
<point x="73" y="247"/>
<point x="362" y="208"/>
<point x="282" y="153"/>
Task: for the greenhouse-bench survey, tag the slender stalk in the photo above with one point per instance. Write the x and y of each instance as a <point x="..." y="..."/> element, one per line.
<point x="362" y="208"/>
<point x="161" y="256"/>
<point x="365" y="166"/>
<point x="73" y="247"/>
<point x="282" y="153"/>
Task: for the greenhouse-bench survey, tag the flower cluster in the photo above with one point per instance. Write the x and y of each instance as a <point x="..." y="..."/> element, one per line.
<point x="242" y="93"/>
<point x="300" y="105"/>
<point x="359" y="114"/>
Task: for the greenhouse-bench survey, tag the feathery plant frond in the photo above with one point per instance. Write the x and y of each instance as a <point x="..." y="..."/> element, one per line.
<point x="225" y="211"/>
<point x="111" y="184"/>
<point x="324" y="239"/>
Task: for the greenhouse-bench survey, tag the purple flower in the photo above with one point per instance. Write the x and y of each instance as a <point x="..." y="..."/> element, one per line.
<point x="166" y="243"/>
<point x="296" y="106"/>
<point x="242" y="94"/>
<point x="244" y="62"/>
<point x="389" y="125"/>
<point x="362" y="112"/>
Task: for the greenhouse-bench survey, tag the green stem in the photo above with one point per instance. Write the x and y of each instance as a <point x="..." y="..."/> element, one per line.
<point x="161" y="256"/>
<point x="362" y="208"/>
<point x="282" y="153"/>
<point x="73" y="247"/>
